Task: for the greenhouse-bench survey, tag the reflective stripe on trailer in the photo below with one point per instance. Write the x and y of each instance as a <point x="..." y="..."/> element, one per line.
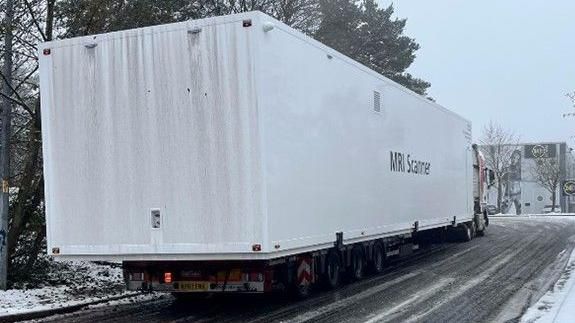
<point x="304" y="276"/>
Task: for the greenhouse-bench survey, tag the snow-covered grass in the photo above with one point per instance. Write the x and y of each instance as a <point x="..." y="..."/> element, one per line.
<point x="64" y="284"/>
<point x="558" y="304"/>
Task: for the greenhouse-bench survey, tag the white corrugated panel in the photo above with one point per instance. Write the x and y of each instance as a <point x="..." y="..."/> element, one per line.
<point x="160" y="117"/>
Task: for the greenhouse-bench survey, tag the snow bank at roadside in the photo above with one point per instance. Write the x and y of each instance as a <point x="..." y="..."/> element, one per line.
<point x="558" y="304"/>
<point x="532" y="215"/>
<point x="78" y="283"/>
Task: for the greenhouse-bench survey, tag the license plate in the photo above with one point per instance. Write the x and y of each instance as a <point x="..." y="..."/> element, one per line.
<point x="194" y="286"/>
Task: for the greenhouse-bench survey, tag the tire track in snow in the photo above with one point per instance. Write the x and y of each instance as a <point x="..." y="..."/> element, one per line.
<point x="416" y="299"/>
<point x="351" y="300"/>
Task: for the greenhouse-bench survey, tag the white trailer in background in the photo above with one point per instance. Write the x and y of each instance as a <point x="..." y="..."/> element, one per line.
<point x="237" y="154"/>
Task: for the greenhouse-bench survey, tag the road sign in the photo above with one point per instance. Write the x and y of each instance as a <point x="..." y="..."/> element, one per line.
<point x="568" y="188"/>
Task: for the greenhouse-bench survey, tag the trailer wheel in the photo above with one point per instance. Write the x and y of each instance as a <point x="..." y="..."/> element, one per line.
<point x="357" y="264"/>
<point x="442" y="235"/>
<point x="302" y="291"/>
<point x="332" y="272"/>
<point x="378" y="260"/>
<point x="466" y="234"/>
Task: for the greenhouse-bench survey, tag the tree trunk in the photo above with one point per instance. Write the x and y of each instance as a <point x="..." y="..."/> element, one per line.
<point x="25" y="208"/>
<point x="553" y="201"/>
<point x="20" y="211"/>
<point x="50" y="19"/>
<point x="31" y="188"/>
<point x="6" y="116"/>
<point x="499" y="195"/>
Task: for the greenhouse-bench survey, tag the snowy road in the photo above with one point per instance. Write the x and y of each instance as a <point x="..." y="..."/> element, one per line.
<point x="493" y="278"/>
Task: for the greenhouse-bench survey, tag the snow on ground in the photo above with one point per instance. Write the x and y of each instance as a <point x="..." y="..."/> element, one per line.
<point x="77" y="283"/>
<point x="532" y="215"/>
<point x="558" y="304"/>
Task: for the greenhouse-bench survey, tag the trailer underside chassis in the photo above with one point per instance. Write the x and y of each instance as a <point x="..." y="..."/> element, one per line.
<point x="298" y="274"/>
<point x="199" y="287"/>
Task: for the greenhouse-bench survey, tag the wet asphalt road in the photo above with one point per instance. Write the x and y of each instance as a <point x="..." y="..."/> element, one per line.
<point x="490" y="279"/>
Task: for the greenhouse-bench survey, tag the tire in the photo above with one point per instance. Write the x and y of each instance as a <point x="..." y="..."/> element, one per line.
<point x="441" y="235"/>
<point x="302" y="291"/>
<point x="332" y="273"/>
<point x="466" y="233"/>
<point x="378" y="260"/>
<point x="473" y="229"/>
<point x="357" y="266"/>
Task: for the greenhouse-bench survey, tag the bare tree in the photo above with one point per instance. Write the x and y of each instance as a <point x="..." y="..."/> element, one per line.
<point x="498" y="145"/>
<point x="5" y="116"/>
<point x="33" y="23"/>
<point x="570" y="96"/>
<point x="547" y="173"/>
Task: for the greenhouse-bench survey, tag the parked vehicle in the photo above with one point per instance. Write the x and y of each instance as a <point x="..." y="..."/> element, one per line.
<point x="491" y="209"/>
<point x="235" y="154"/>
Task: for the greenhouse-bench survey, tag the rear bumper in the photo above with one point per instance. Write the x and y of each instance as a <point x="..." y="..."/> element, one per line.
<point x="198" y="276"/>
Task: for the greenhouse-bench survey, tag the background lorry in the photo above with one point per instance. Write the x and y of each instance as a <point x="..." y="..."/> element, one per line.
<point x="235" y="154"/>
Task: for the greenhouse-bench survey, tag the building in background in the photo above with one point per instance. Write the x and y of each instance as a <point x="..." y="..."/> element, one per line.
<point x="522" y="194"/>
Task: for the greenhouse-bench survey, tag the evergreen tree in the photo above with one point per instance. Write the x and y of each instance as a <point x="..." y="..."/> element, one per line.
<point x="369" y="35"/>
<point x="85" y="17"/>
<point x="340" y="20"/>
<point x="358" y="29"/>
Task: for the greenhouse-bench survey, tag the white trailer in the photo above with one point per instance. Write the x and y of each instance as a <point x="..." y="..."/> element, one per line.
<point x="235" y="153"/>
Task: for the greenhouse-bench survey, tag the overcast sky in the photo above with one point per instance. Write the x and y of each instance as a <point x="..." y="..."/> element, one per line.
<point x="510" y="61"/>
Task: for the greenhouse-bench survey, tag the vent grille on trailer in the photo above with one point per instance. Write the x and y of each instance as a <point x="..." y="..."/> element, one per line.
<point x="376" y="101"/>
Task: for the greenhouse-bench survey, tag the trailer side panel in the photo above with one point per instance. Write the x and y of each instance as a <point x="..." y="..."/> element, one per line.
<point x="347" y="150"/>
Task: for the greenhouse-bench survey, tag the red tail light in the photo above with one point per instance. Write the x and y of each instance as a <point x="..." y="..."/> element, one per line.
<point x="167" y="278"/>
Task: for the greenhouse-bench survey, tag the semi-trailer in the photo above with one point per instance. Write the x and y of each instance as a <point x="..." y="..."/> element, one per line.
<point x="236" y="154"/>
